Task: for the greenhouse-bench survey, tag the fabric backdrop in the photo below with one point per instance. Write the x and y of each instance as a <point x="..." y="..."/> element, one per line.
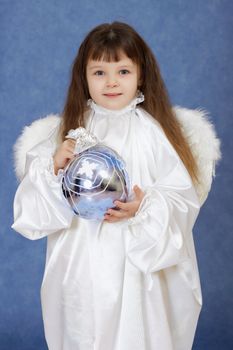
<point x="193" y="45"/>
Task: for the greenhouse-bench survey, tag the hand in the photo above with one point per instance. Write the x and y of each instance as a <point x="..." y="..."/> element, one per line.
<point x="63" y="154"/>
<point x="127" y="210"/>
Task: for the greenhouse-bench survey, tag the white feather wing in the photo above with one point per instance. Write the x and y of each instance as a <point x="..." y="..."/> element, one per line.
<point x="197" y="128"/>
<point x="31" y="135"/>
<point x="201" y="136"/>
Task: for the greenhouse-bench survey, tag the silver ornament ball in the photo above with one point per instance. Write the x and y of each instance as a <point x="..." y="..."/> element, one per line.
<point x="93" y="180"/>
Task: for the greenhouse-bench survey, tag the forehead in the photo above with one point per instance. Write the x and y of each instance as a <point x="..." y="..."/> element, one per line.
<point x="123" y="61"/>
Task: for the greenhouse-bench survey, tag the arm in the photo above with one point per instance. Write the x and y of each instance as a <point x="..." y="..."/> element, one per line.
<point x="39" y="209"/>
<point x="156" y="236"/>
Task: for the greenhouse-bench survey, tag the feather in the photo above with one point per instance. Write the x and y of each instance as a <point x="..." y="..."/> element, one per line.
<point x="30" y="136"/>
<point x="195" y="124"/>
<point x="202" y="139"/>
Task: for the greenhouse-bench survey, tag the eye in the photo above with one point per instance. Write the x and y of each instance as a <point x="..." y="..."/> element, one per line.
<point x="99" y="72"/>
<point x="124" y="71"/>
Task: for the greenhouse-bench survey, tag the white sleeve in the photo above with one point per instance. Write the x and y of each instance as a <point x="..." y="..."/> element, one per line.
<point x="168" y="211"/>
<point x="39" y="206"/>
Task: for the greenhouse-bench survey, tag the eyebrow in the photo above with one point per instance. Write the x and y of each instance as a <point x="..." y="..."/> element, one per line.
<point x="123" y="66"/>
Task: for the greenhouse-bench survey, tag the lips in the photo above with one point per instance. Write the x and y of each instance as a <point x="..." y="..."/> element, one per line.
<point x="112" y="94"/>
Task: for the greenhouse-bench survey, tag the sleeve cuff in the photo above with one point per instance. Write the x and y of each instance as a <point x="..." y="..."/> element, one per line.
<point x="48" y="166"/>
<point x="141" y="214"/>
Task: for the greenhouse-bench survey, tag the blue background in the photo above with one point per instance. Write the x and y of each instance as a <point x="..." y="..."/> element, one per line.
<point x="192" y="41"/>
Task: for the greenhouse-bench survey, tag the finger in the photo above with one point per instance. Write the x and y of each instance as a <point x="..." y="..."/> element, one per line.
<point x="122" y="205"/>
<point x="138" y="192"/>
<point x="117" y="213"/>
<point x="109" y="218"/>
<point x="70" y="149"/>
<point x="128" y="207"/>
<point x="70" y="141"/>
<point x="112" y="220"/>
<point x="70" y="145"/>
<point x="69" y="155"/>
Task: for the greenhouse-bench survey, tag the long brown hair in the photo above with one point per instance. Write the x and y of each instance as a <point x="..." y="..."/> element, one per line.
<point x="105" y="42"/>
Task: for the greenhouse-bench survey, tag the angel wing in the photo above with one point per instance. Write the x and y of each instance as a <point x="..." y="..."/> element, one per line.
<point x="31" y="135"/>
<point x="197" y="129"/>
<point x="201" y="136"/>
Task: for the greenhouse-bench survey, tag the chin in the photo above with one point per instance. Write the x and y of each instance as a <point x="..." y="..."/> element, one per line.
<point x="115" y="105"/>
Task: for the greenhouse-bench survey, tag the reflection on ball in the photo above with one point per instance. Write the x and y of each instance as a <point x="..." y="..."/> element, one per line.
<point x="93" y="180"/>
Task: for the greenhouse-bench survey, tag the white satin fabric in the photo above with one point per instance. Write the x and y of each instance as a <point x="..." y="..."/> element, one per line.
<point x="131" y="285"/>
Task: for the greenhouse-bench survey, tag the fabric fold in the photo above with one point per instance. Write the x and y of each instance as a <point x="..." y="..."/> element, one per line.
<point x="158" y="233"/>
<point x="132" y="278"/>
<point x="39" y="208"/>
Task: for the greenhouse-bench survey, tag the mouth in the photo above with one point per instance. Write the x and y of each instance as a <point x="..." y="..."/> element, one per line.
<point x="112" y="94"/>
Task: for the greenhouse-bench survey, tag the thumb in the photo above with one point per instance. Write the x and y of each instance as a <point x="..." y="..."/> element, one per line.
<point x="138" y="192"/>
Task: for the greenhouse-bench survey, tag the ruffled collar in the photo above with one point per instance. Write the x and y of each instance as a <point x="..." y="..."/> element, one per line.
<point x="131" y="106"/>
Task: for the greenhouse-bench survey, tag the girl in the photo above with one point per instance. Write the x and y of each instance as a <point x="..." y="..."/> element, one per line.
<point x="130" y="281"/>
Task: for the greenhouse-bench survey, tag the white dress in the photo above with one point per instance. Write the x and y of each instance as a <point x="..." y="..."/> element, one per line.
<point x="131" y="285"/>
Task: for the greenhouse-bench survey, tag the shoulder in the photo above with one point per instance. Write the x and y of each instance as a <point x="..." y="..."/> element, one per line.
<point x="201" y="136"/>
<point x="195" y="124"/>
<point x="32" y="135"/>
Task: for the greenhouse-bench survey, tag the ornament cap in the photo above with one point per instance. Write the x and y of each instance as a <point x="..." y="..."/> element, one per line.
<point x="84" y="139"/>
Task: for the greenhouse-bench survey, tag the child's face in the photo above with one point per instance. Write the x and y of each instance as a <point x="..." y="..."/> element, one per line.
<point x="112" y="85"/>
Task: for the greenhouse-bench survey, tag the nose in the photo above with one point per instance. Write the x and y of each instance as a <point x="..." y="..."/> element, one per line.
<point x="112" y="82"/>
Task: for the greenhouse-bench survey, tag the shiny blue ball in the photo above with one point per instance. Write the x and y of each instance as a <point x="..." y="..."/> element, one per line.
<point x="93" y="180"/>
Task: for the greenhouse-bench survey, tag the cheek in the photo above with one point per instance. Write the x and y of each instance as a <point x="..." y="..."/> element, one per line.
<point x="132" y="84"/>
<point x="92" y="85"/>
